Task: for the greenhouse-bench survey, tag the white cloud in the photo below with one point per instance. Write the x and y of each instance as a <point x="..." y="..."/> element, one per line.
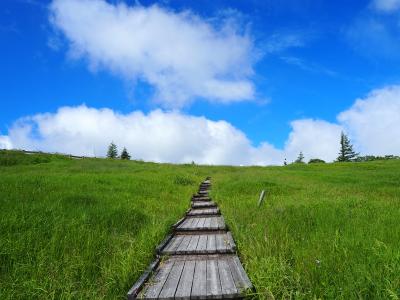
<point x="374" y="122"/>
<point x="158" y="136"/>
<point x="315" y="138"/>
<point x="5" y="142"/>
<point x="386" y="5"/>
<point x="180" y="54"/>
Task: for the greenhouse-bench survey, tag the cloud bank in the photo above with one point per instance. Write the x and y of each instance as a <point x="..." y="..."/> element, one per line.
<point x="161" y="136"/>
<point x="181" y="55"/>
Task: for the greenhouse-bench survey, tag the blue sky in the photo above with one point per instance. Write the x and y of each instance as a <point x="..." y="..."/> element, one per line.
<point x="306" y="60"/>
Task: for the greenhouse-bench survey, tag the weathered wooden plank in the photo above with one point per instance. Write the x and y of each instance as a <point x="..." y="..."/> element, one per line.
<point x="202" y="244"/>
<point x="184" y="288"/>
<point x="228" y="287"/>
<point x="195" y="223"/>
<point x="220" y="244"/>
<point x="164" y="243"/>
<point x="243" y="273"/>
<point x="201" y="197"/>
<point x="213" y="281"/>
<point x="184" y="244"/>
<point x="207" y="223"/>
<point x="242" y="282"/>
<point x="173" y="245"/>
<point x="211" y="245"/>
<point x="193" y="243"/>
<point x="169" y="288"/>
<point x="203" y="204"/>
<point x="203" y="211"/>
<point x="231" y="241"/>
<point x="199" y="287"/>
<point x="154" y="288"/>
<point x="221" y="223"/>
<point x="201" y="222"/>
<point x="214" y="223"/>
<point x="137" y="287"/>
<point x="190" y="223"/>
<point x="184" y="223"/>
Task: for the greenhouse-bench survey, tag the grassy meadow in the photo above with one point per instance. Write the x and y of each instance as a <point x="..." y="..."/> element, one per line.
<point x="78" y="229"/>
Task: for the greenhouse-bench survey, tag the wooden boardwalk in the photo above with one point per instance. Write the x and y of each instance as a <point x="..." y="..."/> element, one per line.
<point x="198" y="261"/>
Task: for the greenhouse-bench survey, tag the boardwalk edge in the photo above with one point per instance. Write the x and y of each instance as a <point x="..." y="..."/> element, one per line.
<point x="138" y="286"/>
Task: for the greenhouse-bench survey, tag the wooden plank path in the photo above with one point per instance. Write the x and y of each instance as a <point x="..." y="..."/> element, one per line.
<point x="198" y="261"/>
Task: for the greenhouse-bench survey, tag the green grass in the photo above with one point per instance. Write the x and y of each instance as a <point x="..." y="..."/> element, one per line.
<point x="75" y="229"/>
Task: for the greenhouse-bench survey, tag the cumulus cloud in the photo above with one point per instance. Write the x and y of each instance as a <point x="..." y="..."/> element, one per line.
<point x="315" y="138"/>
<point x="5" y="142"/>
<point x="374" y="122"/>
<point x="181" y="55"/>
<point x="158" y="136"/>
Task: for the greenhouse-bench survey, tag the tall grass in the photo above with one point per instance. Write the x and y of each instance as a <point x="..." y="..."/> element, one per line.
<point x="326" y="232"/>
<point x="76" y="229"/>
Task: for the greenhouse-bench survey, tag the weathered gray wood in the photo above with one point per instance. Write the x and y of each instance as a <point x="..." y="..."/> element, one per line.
<point x="200" y="204"/>
<point x="220" y="244"/>
<point x="221" y="223"/>
<point x="184" y="288"/>
<point x="184" y="223"/>
<point x="173" y="245"/>
<point x="201" y="222"/>
<point x="214" y="223"/>
<point x="202" y="244"/>
<point x="195" y="224"/>
<point x="184" y="244"/>
<point x="199" y="287"/>
<point x="228" y="288"/>
<point x="203" y="211"/>
<point x="231" y="241"/>
<point x="193" y="243"/>
<point x="164" y="243"/>
<point x="207" y="223"/>
<point x="178" y="223"/>
<point x="242" y="282"/>
<point x="213" y="281"/>
<point x="155" y="286"/>
<point x="243" y="273"/>
<point x="137" y="287"/>
<point x="211" y="244"/>
<point x="169" y="288"/>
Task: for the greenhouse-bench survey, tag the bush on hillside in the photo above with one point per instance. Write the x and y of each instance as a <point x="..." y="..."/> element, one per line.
<point x="316" y="161"/>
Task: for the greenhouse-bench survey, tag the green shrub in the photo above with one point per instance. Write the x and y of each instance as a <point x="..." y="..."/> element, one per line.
<point x="316" y="161"/>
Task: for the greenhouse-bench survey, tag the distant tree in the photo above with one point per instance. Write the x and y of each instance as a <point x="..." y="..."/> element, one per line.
<point x="285" y="162"/>
<point x="346" y="152"/>
<point x="316" y="161"/>
<point x="300" y="158"/>
<point x="125" y="154"/>
<point x="112" y="151"/>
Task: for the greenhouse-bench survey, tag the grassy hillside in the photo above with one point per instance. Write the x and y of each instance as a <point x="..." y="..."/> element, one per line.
<point x="88" y="228"/>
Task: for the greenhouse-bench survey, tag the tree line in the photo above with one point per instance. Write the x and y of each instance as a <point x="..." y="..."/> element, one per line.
<point x="346" y="154"/>
<point x="112" y="152"/>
